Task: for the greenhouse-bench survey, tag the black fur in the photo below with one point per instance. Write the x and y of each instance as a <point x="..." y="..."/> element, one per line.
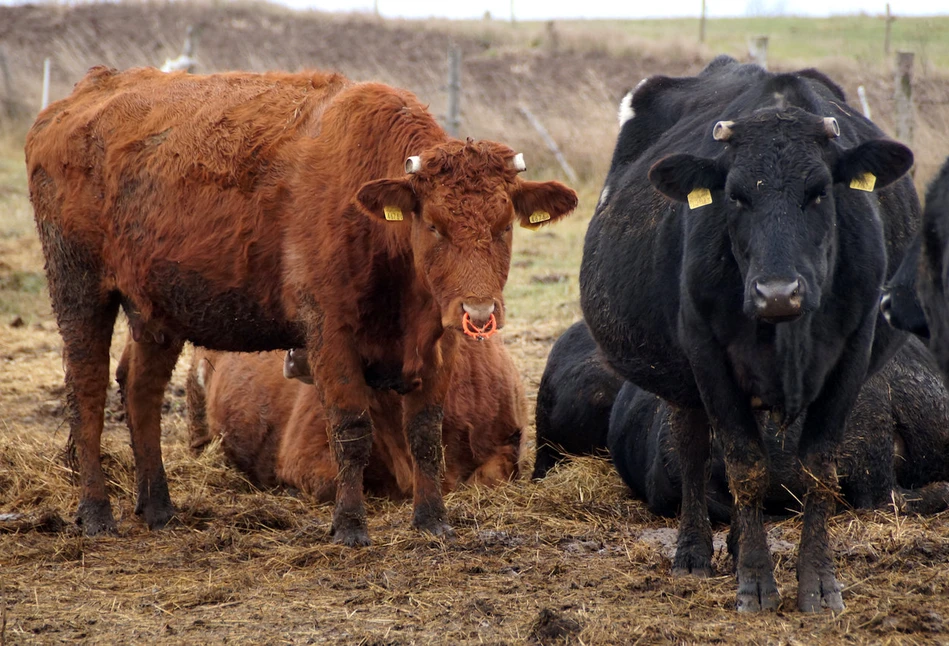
<point x="574" y="400"/>
<point x="919" y="288"/>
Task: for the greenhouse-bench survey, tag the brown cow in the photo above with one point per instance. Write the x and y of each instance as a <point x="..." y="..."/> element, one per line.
<point x="274" y="429"/>
<point x="249" y="212"/>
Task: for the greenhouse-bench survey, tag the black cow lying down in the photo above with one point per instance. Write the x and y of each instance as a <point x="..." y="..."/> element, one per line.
<point x="574" y="400"/>
<point x="916" y="298"/>
<point x="895" y="447"/>
<point x="897" y="437"/>
<point x="735" y="261"/>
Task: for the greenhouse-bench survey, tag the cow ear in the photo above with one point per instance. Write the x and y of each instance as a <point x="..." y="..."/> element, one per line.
<point x="676" y="176"/>
<point x="885" y="160"/>
<point x="539" y="203"/>
<point x="388" y="199"/>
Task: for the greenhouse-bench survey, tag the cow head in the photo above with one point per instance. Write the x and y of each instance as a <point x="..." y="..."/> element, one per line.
<point x="461" y="200"/>
<point x="779" y="183"/>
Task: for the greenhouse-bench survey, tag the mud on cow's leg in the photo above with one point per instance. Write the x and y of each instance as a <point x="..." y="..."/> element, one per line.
<point x="817" y="586"/>
<point x="747" y="469"/>
<point x="351" y="436"/>
<point x="424" y="430"/>
<point x="86" y="317"/>
<point x="690" y="433"/>
<point x="86" y="357"/>
<point x="144" y="371"/>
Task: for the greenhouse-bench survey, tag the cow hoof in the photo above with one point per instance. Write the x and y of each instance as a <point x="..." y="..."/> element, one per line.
<point x="154" y="505"/>
<point x="351" y="536"/>
<point x="157" y="516"/>
<point x="437" y="528"/>
<point x="757" y="595"/>
<point x="95" y="517"/>
<point x="825" y="594"/>
<point x="691" y="565"/>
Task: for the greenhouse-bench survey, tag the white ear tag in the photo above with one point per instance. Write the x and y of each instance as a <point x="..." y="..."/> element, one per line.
<point x="393" y="213"/>
<point x="699" y="197"/>
<point x="864" y="182"/>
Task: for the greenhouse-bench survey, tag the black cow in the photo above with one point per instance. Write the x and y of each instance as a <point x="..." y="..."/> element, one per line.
<point x="915" y="299"/>
<point x="896" y="441"/>
<point x="736" y="262"/>
<point x="574" y="400"/>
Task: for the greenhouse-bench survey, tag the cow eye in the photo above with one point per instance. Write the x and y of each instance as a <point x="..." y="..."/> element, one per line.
<point x="736" y="199"/>
<point x="816" y="198"/>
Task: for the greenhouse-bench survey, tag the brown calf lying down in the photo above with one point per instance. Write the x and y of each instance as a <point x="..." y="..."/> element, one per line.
<point x="274" y="429"/>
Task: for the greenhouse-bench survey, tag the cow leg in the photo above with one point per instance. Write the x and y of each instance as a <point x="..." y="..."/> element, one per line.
<point x="729" y="411"/>
<point x="86" y="318"/>
<point x="690" y="436"/>
<point x="423" y="413"/>
<point x="196" y="396"/>
<point x="352" y="443"/>
<point x="747" y="467"/>
<point x="86" y="359"/>
<point x="143" y="374"/>
<point x="823" y="429"/>
<point x="817" y="585"/>
<point x="338" y="377"/>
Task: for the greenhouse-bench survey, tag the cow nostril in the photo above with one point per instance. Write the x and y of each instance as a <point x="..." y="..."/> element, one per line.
<point x="479" y="311"/>
<point x="778" y="299"/>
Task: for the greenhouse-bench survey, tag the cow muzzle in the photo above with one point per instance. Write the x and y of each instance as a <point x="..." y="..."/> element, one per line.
<point x="778" y="301"/>
<point x="478" y="320"/>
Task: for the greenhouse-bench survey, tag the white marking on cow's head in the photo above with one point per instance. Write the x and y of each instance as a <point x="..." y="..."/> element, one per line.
<point x="626" y="111"/>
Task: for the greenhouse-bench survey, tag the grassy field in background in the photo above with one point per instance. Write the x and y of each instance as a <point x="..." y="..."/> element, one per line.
<point x="792" y="40"/>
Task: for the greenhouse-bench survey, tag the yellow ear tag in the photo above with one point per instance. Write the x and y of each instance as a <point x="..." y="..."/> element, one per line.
<point x="539" y="216"/>
<point x="699" y="197"/>
<point x="393" y="213"/>
<point x="864" y="182"/>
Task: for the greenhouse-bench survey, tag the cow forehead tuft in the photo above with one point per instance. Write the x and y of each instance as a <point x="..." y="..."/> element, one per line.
<point x="458" y="160"/>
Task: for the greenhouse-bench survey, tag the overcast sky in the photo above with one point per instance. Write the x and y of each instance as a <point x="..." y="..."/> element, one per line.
<point x="624" y="9"/>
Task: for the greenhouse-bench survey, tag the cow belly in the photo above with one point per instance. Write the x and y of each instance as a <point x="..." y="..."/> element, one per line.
<point x="186" y="305"/>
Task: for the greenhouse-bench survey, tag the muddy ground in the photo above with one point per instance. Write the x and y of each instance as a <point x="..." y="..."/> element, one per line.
<point x="570" y="559"/>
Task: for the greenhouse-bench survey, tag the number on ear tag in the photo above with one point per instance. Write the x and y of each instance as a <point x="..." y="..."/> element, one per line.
<point x="699" y="197"/>
<point x="539" y="216"/>
<point x="864" y="182"/>
<point x="393" y="213"/>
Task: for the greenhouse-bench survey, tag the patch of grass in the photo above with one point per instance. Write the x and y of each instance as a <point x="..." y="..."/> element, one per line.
<point x="16" y="216"/>
<point x="793" y="39"/>
<point x="27" y="282"/>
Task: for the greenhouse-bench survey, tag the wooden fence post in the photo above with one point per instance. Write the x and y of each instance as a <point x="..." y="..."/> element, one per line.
<point x="903" y="82"/>
<point x="10" y="106"/>
<point x="453" y="115"/>
<point x="864" y="104"/>
<point x="45" y="100"/>
<point x="551" y="144"/>
<point x="702" y="24"/>
<point x="758" y="50"/>
<point x="886" y="30"/>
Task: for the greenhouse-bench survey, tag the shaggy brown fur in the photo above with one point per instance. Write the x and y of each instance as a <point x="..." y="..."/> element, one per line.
<point x="274" y="429"/>
<point x="245" y="212"/>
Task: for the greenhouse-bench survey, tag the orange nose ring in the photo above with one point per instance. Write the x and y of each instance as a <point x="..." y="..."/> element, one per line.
<point x="479" y="333"/>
